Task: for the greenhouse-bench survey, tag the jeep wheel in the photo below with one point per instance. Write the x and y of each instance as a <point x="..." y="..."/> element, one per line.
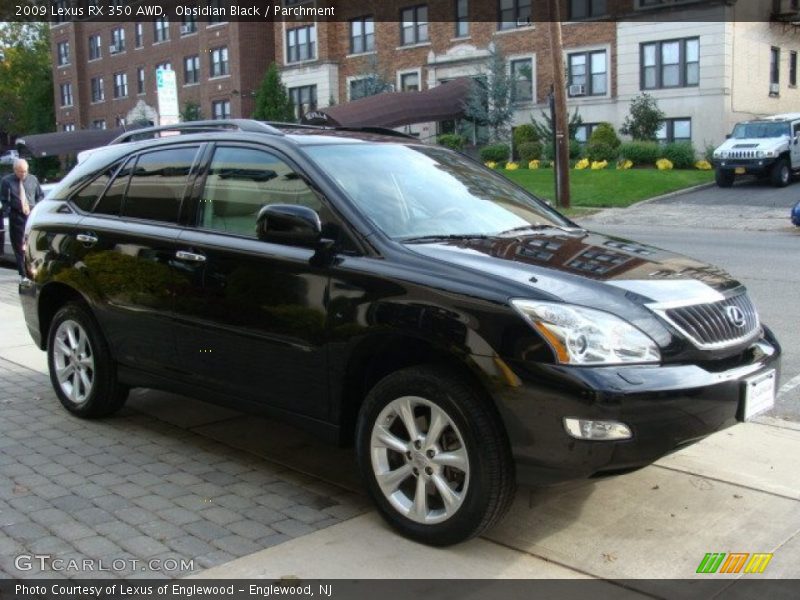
<point x="781" y="173"/>
<point x="434" y="456"/>
<point x="724" y="177"/>
<point x="81" y="369"/>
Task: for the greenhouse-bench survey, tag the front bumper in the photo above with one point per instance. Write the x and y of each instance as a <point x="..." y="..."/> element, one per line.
<point x="750" y="165"/>
<point x="666" y="408"/>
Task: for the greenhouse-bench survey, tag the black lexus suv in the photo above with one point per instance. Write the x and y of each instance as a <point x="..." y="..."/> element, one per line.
<point x="462" y="334"/>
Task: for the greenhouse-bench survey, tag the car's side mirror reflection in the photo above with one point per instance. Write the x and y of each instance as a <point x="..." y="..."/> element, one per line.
<point x="290" y="224"/>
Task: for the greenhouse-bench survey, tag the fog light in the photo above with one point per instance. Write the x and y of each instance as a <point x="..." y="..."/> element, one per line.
<point x="584" y="429"/>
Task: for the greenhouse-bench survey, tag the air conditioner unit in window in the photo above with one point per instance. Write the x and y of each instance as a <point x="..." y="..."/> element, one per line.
<point x="577" y="90"/>
<point x="185" y="29"/>
<point x="774" y="88"/>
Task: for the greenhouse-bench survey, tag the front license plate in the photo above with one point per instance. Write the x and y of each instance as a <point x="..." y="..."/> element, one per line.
<point x="739" y="170"/>
<point x="759" y="394"/>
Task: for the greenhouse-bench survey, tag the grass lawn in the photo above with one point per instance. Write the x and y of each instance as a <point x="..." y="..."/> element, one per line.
<point x="609" y="187"/>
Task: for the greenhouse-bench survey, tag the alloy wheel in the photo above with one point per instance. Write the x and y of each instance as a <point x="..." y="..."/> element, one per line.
<point x="73" y="359"/>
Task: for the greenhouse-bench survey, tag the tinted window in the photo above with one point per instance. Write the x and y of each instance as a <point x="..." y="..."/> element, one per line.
<point x="88" y="195"/>
<point x="111" y="202"/>
<point x="157" y="184"/>
<point x="241" y="181"/>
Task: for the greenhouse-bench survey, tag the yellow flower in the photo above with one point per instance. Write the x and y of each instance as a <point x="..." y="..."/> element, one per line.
<point x="664" y="164"/>
<point x="491" y="164"/>
<point x="703" y="165"/>
<point x="534" y="164"/>
<point x="582" y="164"/>
<point x="625" y="164"/>
<point x="512" y="166"/>
<point x="599" y="164"/>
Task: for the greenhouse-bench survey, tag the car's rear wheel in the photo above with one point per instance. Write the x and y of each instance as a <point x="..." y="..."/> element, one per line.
<point x="434" y="456"/>
<point x="82" y="371"/>
<point x="781" y="174"/>
<point x="724" y="177"/>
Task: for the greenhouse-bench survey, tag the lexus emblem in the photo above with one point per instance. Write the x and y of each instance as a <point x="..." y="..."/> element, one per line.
<point x="735" y="316"/>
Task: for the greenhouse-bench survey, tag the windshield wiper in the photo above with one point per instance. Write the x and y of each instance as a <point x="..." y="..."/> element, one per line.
<point x="444" y="237"/>
<point x="541" y="227"/>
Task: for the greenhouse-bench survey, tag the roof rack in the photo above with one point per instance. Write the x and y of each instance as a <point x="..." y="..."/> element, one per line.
<point x="368" y="129"/>
<point x="147" y="133"/>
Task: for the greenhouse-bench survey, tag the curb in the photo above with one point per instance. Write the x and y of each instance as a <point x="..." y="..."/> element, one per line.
<point x="646" y="201"/>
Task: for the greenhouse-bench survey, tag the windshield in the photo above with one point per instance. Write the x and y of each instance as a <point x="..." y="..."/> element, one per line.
<point x="760" y="130"/>
<point x="416" y="192"/>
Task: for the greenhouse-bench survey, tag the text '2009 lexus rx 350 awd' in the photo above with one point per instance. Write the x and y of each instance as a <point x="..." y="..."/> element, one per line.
<point x="461" y="334"/>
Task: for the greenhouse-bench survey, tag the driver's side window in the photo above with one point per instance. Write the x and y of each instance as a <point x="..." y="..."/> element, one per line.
<point x="241" y="181"/>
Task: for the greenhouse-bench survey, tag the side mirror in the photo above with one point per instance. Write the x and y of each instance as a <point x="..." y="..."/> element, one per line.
<point x="291" y="224"/>
<point x="727" y="136"/>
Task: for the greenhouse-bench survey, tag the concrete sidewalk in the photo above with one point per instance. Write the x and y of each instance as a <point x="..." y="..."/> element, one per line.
<point x="737" y="491"/>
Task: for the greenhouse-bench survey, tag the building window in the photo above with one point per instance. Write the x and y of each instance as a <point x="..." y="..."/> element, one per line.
<point x="522" y="80"/>
<point x="409" y="82"/>
<point x="774" y="71"/>
<point x="462" y="18"/>
<point x="793" y="68"/>
<point x="675" y="130"/>
<point x="586" y="9"/>
<point x="219" y="62"/>
<point x="69" y="126"/>
<point x="221" y="109"/>
<point x="63" y="53"/>
<point x="515" y="13"/>
<point x="362" y="35"/>
<point x="587" y="74"/>
<point x="191" y="69"/>
<point x="304" y="99"/>
<point x="359" y="88"/>
<point x="584" y="131"/>
<point x="301" y="43"/>
<point x="140" y="80"/>
<point x="138" y="34"/>
<point x="414" y="25"/>
<point x="117" y="41"/>
<point x="98" y="91"/>
<point x="161" y="30"/>
<point x="189" y="25"/>
<point x="120" y="85"/>
<point x="668" y="64"/>
<point x="94" y="47"/>
<point x="66" y="94"/>
<point x="99" y="124"/>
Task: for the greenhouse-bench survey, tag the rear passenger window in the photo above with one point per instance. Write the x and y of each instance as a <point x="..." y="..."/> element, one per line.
<point x="157" y="184"/>
<point x="241" y="181"/>
<point x="111" y="202"/>
<point x="87" y="197"/>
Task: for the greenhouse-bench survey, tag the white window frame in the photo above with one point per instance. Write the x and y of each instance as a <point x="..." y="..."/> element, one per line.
<point x="532" y="58"/>
<point x="609" y="70"/>
<point x="399" y="79"/>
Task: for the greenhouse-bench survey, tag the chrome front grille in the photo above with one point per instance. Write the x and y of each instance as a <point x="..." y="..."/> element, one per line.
<point x="714" y="325"/>
<point x="742" y="154"/>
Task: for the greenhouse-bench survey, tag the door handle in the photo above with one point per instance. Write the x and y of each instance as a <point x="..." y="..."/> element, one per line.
<point x="183" y="255"/>
<point x="87" y="238"/>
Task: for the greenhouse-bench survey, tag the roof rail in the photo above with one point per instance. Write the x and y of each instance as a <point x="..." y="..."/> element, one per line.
<point x="368" y="129"/>
<point x="147" y="133"/>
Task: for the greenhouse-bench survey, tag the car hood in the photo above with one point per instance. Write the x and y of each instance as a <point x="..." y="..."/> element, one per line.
<point x="589" y="269"/>
<point x="753" y="144"/>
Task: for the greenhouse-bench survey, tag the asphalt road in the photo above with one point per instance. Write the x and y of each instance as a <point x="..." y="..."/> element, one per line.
<point x="765" y="260"/>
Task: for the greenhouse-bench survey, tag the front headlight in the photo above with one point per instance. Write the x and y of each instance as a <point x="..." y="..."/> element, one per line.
<point x="760" y="154"/>
<point x="584" y="336"/>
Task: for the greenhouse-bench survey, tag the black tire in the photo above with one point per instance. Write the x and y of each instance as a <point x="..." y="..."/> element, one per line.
<point x="486" y="486"/>
<point x="724" y="177"/>
<point x="90" y="357"/>
<point x="781" y="173"/>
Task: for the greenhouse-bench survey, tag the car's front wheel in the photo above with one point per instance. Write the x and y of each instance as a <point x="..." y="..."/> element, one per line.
<point x="781" y="174"/>
<point x="434" y="456"/>
<point x="724" y="177"/>
<point x="82" y="371"/>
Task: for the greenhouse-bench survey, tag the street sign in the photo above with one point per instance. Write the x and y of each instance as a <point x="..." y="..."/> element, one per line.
<point x="167" y="97"/>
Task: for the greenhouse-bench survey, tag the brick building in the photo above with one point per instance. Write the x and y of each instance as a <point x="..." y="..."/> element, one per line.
<point x="104" y="72"/>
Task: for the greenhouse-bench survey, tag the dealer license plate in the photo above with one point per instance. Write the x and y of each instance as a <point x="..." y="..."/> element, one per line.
<point x="759" y="394"/>
<point x="739" y="170"/>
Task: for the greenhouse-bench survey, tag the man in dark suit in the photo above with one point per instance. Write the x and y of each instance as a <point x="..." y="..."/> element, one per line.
<point x="19" y="192"/>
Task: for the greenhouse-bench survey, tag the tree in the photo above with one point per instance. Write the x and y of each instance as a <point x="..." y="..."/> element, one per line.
<point x="489" y="99"/>
<point x="644" y="120"/>
<point x="191" y="112"/>
<point x="544" y="128"/>
<point x="371" y="80"/>
<point x="26" y="80"/>
<point x="272" y="101"/>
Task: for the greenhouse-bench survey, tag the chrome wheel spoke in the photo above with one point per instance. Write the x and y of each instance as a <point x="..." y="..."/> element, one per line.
<point x="73" y="361"/>
<point x="86" y="380"/>
<point x="438" y="424"/>
<point x="72" y="338"/>
<point x="65" y="372"/>
<point x="391" y="480"/>
<point x="82" y="344"/>
<point x="420" y="508"/>
<point x="450" y="498"/>
<point x="62" y="348"/>
<point x="407" y="416"/>
<point x="387" y="439"/>
<point x="455" y="458"/>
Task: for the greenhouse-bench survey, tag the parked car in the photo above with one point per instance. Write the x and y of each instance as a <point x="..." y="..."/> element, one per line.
<point x="7" y="255"/>
<point x="462" y="334"/>
<point x="8" y="157"/>
<point x="766" y="148"/>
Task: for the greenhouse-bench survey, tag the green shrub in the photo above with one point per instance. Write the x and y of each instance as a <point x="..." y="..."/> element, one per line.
<point x="641" y="153"/>
<point x="495" y="152"/>
<point x="575" y="149"/>
<point x="529" y="151"/>
<point x="708" y="154"/>
<point x="604" y="133"/>
<point x="601" y="151"/>
<point x="451" y="140"/>
<point x="524" y="133"/>
<point x="680" y="154"/>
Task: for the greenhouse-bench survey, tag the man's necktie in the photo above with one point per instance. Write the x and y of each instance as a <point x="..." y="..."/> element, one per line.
<point x="23" y="199"/>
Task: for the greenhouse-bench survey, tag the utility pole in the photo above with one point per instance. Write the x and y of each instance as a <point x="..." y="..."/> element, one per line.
<point x="560" y="126"/>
